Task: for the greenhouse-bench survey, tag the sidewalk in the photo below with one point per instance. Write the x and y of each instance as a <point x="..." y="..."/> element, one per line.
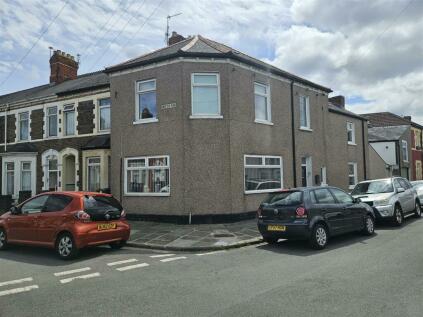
<point x="204" y="237"/>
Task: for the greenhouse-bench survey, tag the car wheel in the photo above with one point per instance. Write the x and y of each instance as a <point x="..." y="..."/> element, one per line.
<point x="65" y="246"/>
<point x="418" y="210"/>
<point x="319" y="237"/>
<point x="117" y="245"/>
<point x="369" y="226"/>
<point x="3" y="239"/>
<point x="398" y="216"/>
<point x="270" y="240"/>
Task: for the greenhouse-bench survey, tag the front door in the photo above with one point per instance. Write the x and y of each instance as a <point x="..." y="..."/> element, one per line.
<point x="353" y="213"/>
<point x="330" y="210"/>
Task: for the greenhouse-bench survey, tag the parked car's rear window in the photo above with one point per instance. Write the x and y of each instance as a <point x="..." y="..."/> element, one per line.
<point x="288" y="198"/>
<point x="375" y="187"/>
<point x="101" y="202"/>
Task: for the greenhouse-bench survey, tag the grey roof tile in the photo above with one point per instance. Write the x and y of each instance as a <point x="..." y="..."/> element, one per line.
<point x="387" y="133"/>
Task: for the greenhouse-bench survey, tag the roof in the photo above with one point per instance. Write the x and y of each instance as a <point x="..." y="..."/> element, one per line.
<point x="81" y="83"/>
<point x="21" y="148"/>
<point x="200" y="46"/>
<point x="333" y="108"/>
<point x="384" y="119"/>
<point x="98" y="142"/>
<point x="388" y="133"/>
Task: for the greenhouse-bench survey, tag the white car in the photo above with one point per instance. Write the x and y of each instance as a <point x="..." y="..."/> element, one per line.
<point x="391" y="198"/>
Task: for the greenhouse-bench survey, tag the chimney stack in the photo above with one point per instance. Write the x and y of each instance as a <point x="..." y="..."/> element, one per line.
<point x="338" y="101"/>
<point x="408" y="118"/>
<point x="62" y="67"/>
<point x="175" y="38"/>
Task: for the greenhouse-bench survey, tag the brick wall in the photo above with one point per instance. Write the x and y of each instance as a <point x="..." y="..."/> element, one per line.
<point x="37" y="124"/>
<point x="86" y="117"/>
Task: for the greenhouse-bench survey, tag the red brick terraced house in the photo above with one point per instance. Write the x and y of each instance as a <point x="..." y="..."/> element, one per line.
<point x="386" y="119"/>
<point x="56" y="136"/>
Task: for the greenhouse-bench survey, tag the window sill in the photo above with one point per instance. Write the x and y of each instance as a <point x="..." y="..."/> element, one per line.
<point x="142" y="121"/>
<point x="206" y="117"/>
<point x="263" y="122"/>
<point x="261" y="191"/>
<point x="350" y="143"/>
<point x="147" y="194"/>
<point x="103" y="131"/>
<point x="306" y="129"/>
<point x="351" y="186"/>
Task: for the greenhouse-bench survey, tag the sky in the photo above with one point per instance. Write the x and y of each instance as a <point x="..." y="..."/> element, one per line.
<point x="369" y="51"/>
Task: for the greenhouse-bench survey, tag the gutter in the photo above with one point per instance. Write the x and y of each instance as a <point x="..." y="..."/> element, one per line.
<point x="364" y="150"/>
<point x="5" y="127"/>
<point x="294" y="156"/>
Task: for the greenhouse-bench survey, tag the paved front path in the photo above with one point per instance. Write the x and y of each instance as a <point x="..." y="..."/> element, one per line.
<point x="168" y="236"/>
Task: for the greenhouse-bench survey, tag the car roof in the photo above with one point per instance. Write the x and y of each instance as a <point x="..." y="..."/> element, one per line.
<point x="304" y="188"/>
<point x="76" y="194"/>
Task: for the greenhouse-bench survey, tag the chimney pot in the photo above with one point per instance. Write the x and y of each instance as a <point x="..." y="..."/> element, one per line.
<point x="407" y="118"/>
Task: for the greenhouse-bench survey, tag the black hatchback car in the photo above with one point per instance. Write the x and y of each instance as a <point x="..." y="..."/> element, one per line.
<point x="313" y="214"/>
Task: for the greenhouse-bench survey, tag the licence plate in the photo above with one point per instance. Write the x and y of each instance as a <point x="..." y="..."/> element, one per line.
<point x="275" y="228"/>
<point x="106" y="226"/>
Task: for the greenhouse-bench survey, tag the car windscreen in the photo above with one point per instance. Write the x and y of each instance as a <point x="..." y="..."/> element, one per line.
<point x="106" y="203"/>
<point x="376" y="187"/>
<point x="288" y="198"/>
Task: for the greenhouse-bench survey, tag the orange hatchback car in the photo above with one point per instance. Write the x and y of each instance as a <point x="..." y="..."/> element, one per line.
<point x="66" y="221"/>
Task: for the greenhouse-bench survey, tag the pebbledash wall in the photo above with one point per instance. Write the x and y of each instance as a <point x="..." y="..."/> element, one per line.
<point x="206" y="155"/>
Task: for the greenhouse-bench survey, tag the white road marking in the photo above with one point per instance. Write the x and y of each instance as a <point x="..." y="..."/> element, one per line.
<point x="80" y="277"/>
<point x="161" y="255"/>
<point x="210" y="253"/>
<point x="22" y="280"/>
<point x="18" y="290"/>
<point x="122" y="262"/>
<point x="131" y="267"/>
<point x="173" y="259"/>
<point x="72" y="271"/>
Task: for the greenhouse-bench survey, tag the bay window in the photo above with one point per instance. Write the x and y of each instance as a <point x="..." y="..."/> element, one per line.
<point x="147" y="175"/>
<point x="262" y="173"/>
<point x="205" y="95"/>
<point x="146" y="109"/>
<point x="26" y="176"/>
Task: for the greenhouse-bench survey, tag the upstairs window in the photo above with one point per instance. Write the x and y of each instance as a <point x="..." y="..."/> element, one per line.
<point x="69" y="119"/>
<point x="205" y="94"/>
<point x="305" y="113"/>
<point x="262" y="102"/>
<point x="351" y="133"/>
<point x="52" y="121"/>
<point x="404" y="149"/>
<point x="104" y="114"/>
<point x="24" y="126"/>
<point x="146" y="100"/>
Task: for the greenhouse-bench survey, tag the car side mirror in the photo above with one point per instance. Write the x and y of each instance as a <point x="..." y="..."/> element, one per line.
<point x="15" y="210"/>
<point x="357" y="200"/>
<point x="400" y="190"/>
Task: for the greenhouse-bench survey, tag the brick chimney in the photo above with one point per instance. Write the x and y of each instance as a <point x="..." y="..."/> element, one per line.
<point x="175" y="38"/>
<point x="408" y="118"/>
<point x="338" y="101"/>
<point x="62" y="67"/>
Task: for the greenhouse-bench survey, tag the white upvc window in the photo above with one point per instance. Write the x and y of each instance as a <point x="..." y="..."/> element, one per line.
<point x="52" y="122"/>
<point x="146" y="101"/>
<point x="23" y="124"/>
<point x="262" y="173"/>
<point x="351" y="133"/>
<point x="10" y="178"/>
<point x="205" y="95"/>
<point x="19" y="174"/>
<point x="104" y="114"/>
<point x="306" y="171"/>
<point x="305" y="113"/>
<point x="262" y="104"/>
<point x="352" y="175"/>
<point x="26" y="178"/>
<point x="147" y="176"/>
<point x="69" y="120"/>
<point x="404" y="149"/>
<point x="93" y="174"/>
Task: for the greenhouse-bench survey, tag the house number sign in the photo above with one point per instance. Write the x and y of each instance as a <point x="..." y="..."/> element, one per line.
<point x="168" y="106"/>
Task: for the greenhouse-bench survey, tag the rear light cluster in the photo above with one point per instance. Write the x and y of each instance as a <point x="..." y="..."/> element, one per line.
<point x="301" y="212"/>
<point x="83" y="216"/>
